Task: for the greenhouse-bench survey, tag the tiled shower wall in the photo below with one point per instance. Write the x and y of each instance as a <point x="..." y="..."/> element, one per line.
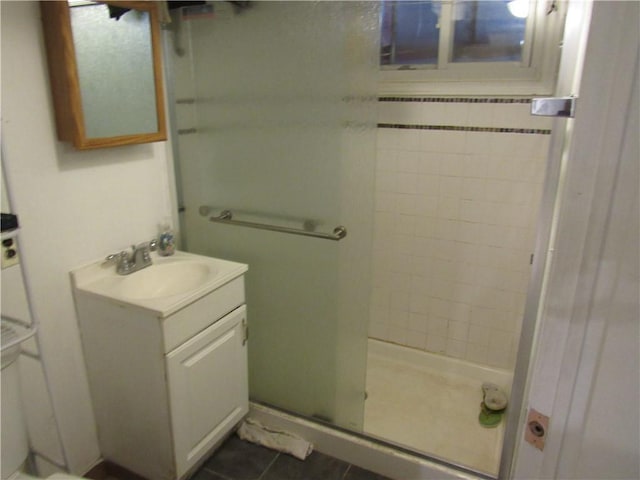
<point x="457" y="193"/>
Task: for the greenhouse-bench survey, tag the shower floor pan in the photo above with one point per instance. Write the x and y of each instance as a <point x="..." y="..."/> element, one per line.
<point x="430" y="403"/>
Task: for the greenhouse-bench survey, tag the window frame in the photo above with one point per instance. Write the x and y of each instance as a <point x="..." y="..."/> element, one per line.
<point x="534" y="75"/>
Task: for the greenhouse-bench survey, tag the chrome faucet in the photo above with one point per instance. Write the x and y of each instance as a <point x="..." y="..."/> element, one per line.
<point x="139" y="258"/>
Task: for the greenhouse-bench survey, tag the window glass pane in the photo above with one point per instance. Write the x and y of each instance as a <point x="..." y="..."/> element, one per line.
<point x="409" y="32"/>
<point x="487" y="31"/>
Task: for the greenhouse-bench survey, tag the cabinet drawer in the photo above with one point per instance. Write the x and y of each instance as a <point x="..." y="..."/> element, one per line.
<point x="194" y="318"/>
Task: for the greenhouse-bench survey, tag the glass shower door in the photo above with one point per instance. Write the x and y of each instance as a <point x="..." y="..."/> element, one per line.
<point x="277" y="106"/>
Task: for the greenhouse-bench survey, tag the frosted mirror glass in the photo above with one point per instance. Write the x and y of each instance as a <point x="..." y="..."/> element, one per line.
<point x="114" y="56"/>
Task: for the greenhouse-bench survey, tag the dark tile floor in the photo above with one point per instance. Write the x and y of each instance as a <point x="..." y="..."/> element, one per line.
<point x="240" y="460"/>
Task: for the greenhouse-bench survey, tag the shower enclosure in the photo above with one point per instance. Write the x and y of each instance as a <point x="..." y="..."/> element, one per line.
<point x="282" y="146"/>
<point x="276" y="105"/>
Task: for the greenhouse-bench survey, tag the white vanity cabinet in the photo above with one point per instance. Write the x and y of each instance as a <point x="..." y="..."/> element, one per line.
<point x="167" y="385"/>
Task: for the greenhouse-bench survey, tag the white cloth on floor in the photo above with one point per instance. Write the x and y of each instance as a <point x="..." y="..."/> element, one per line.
<point x="253" y="431"/>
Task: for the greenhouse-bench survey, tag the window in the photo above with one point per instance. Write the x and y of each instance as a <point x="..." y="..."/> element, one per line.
<point x="512" y="41"/>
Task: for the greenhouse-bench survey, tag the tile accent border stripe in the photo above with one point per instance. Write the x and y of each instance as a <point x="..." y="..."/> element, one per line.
<point x="455" y="99"/>
<point x="530" y="131"/>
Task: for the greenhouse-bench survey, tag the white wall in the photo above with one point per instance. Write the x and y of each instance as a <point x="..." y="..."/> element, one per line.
<point x="73" y="207"/>
<point x="455" y="224"/>
<point x="587" y="353"/>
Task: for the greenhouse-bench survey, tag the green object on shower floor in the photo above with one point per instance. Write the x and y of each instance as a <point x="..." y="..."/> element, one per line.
<point x="489" y="418"/>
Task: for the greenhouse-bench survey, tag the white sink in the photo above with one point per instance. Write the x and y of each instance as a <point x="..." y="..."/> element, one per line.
<point x="169" y="284"/>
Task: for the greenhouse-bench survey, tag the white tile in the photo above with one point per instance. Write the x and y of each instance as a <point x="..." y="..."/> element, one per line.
<point x="429" y="163"/>
<point x="448" y="207"/>
<point x="500" y="167"/>
<point x="416" y="339"/>
<point x="450" y="186"/>
<point x="499" y="357"/>
<point x="398" y="318"/>
<point x="451" y="165"/>
<point x="387" y="139"/>
<point x="380" y="297"/>
<point x="476" y="353"/>
<point x="452" y="141"/>
<point x="419" y="304"/>
<point x="428" y="184"/>
<point x="482" y="317"/>
<point x="507" y="144"/>
<point x="473" y="189"/>
<point x="431" y="113"/>
<point x="443" y="289"/>
<point x="439" y="308"/>
<point x="489" y="277"/>
<point x="384" y="222"/>
<point x="378" y="330"/>
<point x="455" y="114"/>
<point x="418" y="322"/>
<point x="409" y="140"/>
<point x="442" y="249"/>
<point x="478" y="115"/>
<point x="438" y="326"/>
<point x="479" y="143"/>
<point x="426" y="205"/>
<point x="379" y="316"/>
<point x="407" y="183"/>
<point x="456" y="348"/>
<point x="513" y="115"/>
<point x="385" y="202"/>
<point x="479" y="335"/>
<point x="467" y="253"/>
<point x="402" y="263"/>
<point x="399" y="301"/>
<point x="468" y="232"/>
<point x="473" y="211"/>
<point x="404" y="224"/>
<point x="426" y="226"/>
<point x="436" y="343"/>
<point x="458" y="330"/>
<point x="386" y="182"/>
<point x="409" y="162"/>
<point x="399" y="281"/>
<point x="397" y="335"/>
<point x="529" y="170"/>
<point x="403" y="244"/>
<point x="475" y="166"/>
<point x="460" y="311"/>
<point x="386" y="160"/>
<point x="499" y="190"/>
<point x="420" y="288"/>
<point x="422" y="246"/>
<point x="422" y="266"/>
<point x="430" y="141"/>
<point x="446" y="229"/>
<point x="407" y="204"/>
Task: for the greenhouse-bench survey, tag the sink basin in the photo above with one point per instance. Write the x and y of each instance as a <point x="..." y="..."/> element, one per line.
<point x="165" y="279"/>
<point x="163" y="287"/>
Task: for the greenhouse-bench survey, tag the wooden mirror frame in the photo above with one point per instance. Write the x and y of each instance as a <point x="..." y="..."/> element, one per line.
<point x="65" y="83"/>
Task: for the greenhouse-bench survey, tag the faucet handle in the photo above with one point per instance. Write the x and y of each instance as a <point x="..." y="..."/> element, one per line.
<point x="123" y="264"/>
<point x="153" y="245"/>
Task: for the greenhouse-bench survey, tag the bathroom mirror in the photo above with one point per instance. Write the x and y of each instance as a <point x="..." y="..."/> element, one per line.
<point x="105" y="71"/>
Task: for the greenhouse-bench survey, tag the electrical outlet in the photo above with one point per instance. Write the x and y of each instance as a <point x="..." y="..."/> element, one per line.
<point x="9" y="253"/>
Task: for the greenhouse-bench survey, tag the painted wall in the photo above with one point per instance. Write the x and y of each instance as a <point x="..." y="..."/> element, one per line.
<point x="584" y="374"/>
<point x="74" y="207"/>
<point x="457" y="194"/>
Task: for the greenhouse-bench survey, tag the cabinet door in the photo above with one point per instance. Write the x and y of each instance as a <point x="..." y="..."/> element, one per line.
<point x="208" y="387"/>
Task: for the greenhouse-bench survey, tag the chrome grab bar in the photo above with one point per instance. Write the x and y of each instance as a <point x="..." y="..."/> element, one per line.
<point x="226" y="216"/>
